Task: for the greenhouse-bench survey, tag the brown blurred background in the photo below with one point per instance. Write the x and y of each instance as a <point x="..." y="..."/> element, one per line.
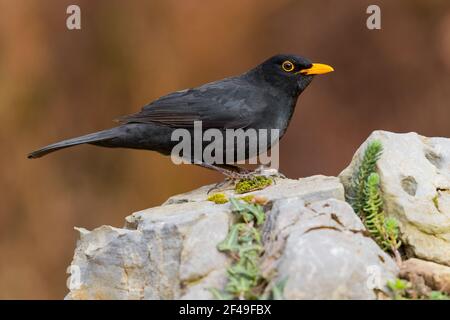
<point x="56" y="83"/>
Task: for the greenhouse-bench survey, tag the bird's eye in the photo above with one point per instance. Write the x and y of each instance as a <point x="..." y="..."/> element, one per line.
<point x="287" y="66"/>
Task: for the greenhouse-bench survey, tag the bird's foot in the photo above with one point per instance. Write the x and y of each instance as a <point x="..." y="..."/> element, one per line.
<point x="243" y="180"/>
<point x="231" y="179"/>
<point x="243" y="174"/>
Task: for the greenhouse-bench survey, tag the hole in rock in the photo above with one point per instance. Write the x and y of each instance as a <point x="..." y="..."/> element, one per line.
<point x="409" y="184"/>
<point x="435" y="159"/>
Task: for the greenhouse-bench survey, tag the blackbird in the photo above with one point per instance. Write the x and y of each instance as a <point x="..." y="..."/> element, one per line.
<point x="261" y="98"/>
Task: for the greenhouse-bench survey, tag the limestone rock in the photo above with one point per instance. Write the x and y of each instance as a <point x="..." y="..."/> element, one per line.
<point x="162" y="250"/>
<point x="323" y="251"/>
<point x="415" y="181"/>
<point x="310" y="189"/>
<point x="311" y="237"/>
<point x="435" y="276"/>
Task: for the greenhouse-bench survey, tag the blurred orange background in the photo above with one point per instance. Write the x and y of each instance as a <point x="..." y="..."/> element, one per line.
<point x="56" y="84"/>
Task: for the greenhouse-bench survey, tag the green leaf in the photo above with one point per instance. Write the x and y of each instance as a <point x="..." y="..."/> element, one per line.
<point x="244" y="242"/>
<point x="278" y="288"/>
<point x="231" y="241"/>
<point x="220" y="295"/>
<point x="356" y="196"/>
<point x="437" y="295"/>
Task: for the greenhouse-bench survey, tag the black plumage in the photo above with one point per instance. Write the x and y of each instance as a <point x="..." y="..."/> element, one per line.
<point x="262" y="98"/>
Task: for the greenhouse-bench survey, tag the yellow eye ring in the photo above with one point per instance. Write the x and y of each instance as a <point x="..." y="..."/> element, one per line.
<point x="287" y="66"/>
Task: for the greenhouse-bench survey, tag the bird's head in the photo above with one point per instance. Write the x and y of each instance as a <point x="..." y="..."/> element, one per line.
<point x="290" y="73"/>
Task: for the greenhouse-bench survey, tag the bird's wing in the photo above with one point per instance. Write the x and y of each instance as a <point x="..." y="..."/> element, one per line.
<point x="217" y="105"/>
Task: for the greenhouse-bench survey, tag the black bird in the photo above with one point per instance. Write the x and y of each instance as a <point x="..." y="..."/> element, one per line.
<point x="262" y="98"/>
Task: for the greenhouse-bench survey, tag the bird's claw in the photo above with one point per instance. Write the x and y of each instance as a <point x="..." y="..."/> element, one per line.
<point x="260" y="171"/>
<point x="232" y="177"/>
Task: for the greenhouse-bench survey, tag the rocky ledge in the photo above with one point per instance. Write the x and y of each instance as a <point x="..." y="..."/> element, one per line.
<point x="311" y="236"/>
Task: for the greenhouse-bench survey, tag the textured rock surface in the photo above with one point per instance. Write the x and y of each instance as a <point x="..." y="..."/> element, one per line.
<point x="323" y="251"/>
<point x="311" y="237"/>
<point x="162" y="251"/>
<point x="435" y="276"/>
<point x="309" y="189"/>
<point x="415" y="180"/>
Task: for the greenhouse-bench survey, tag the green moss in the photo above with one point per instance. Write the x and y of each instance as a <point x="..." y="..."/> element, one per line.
<point x="248" y="198"/>
<point x="218" y="198"/>
<point x="252" y="184"/>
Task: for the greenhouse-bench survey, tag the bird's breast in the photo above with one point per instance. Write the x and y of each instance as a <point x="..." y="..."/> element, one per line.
<point x="274" y="112"/>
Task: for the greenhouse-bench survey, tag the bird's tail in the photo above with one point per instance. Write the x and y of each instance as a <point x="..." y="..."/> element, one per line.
<point x="89" y="138"/>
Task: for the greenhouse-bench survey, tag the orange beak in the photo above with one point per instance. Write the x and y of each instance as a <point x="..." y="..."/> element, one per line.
<point x="317" y="68"/>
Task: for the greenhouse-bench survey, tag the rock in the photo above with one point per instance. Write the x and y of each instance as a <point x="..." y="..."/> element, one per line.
<point x="310" y="189"/>
<point x="415" y="182"/>
<point x="163" y="249"/>
<point x="311" y="236"/>
<point x="435" y="276"/>
<point x="323" y="251"/>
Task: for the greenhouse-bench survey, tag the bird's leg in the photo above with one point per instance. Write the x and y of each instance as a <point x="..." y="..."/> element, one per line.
<point x="222" y="185"/>
<point x="232" y="174"/>
<point x="235" y="173"/>
<point x="230" y="171"/>
<point x="234" y="168"/>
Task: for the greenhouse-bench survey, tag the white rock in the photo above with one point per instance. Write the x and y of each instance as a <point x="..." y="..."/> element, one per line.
<point x="310" y="189"/>
<point x="323" y="252"/>
<point x="415" y="181"/>
<point x="170" y="251"/>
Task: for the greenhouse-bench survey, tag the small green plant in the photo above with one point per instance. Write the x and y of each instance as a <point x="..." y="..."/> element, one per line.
<point x="404" y="290"/>
<point x="252" y="184"/>
<point x="399" y="288"/>
<point x="365" y="198"/>
<point x="221" y="198"/>
<point x="383" y="230"/>
<point x="438" y="295"/>
<point x="243" y="244"/>
<point x="356" y="196"/>
<point x="276" y="292"/>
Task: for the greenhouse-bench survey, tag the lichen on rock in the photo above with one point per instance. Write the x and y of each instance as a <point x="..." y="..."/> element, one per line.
<point x="218" y="198"/>
<point x="252" y="184"/>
